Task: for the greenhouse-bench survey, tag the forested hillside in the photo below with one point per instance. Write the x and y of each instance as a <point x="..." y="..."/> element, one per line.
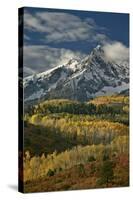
<point x="67" y="140"/>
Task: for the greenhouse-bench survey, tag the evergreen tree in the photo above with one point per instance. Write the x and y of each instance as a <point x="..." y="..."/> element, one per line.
<point x="106" y="173"/>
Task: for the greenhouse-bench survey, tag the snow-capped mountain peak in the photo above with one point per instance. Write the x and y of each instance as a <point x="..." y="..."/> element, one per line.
<point x="79" y="79"/>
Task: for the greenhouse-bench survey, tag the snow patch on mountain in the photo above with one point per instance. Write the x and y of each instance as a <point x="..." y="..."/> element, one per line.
<point x="111" y="90"/>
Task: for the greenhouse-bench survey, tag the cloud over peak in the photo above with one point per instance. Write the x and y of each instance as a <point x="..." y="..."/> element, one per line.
<point x="116" y="51"/>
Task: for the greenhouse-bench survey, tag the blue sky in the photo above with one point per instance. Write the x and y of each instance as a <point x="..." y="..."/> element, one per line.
<point x="53" y="36"/>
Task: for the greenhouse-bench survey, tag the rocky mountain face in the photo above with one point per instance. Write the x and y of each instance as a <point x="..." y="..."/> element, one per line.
<point x="79" y="79"/>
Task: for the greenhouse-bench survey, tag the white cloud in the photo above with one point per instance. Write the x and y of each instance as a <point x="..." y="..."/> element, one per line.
<point x="116" y="51"/>
<point x="102" y="38"/>
<point x="62" y="27"/>
<point x="39" y="58"/>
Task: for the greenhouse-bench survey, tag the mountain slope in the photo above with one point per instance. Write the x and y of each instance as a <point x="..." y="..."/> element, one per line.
<point x="79" y="79"/>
